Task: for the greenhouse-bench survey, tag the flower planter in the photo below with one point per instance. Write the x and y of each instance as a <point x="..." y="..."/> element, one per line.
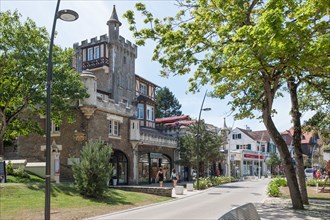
<point x="190" y="187"/>
<point x="179" y="190"/>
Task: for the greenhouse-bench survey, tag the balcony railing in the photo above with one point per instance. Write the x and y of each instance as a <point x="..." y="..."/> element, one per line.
<point x="91" y="64"/>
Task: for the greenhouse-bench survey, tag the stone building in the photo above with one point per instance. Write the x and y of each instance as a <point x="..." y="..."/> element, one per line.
<point x="120" y="110"/>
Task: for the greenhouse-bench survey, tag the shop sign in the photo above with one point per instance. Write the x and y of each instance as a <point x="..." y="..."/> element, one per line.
<point x="252" y="156"/>
<point x="57" y="166"/>
<point x="155" y="155"/>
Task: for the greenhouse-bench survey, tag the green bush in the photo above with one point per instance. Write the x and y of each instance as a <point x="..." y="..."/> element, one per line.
<point x="21" y="173"/>
<point x="273" y="188"/>
<point x="313" y="182"/>
<point x="280" y="182"/>
<point x="94" y="170"/>
<point x="9" y="168"/>
<point x="207" y="182"/>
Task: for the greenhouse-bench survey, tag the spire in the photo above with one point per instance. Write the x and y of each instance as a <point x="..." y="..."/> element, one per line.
<point x="224" y="123"/>
<point x="114" y="17"/>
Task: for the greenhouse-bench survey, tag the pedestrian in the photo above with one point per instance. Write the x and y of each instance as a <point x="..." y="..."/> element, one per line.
<point x="327" y="168"/>
<point x="174" y="177"/>
<point x="160" y="176"/>
<point x="318" y="174"/>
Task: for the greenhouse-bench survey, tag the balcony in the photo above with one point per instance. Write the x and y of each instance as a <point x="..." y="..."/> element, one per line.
<point x="92" y="64"/>
<point x="152" y="137"/>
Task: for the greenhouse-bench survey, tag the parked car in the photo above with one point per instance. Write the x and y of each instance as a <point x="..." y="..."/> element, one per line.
<point x="309" y="173"/>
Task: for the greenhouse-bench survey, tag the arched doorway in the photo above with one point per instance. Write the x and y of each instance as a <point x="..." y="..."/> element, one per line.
<point x="149" y="164"/>
<point x="120" y="167"/>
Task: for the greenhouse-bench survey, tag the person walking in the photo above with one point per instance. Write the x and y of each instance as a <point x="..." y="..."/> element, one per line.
<point x="160" y="176"/>
<point x="327" y="168"/>
<point x="174" y="177"/>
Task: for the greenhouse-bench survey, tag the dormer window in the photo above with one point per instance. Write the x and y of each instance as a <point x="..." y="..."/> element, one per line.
<point x="237" y="136"/>
<point x="143" y="89"/>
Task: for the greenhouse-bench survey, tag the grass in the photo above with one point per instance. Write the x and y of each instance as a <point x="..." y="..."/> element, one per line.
<point x="26" y="201"/>
<point x="311" y="192"/>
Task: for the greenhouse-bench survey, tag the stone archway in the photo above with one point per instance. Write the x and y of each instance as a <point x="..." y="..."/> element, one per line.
<point x="120" y="165"/>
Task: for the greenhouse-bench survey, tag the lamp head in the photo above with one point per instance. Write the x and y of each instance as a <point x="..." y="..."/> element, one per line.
<point x="67" y="15"/>
<point x="206" y="109"/>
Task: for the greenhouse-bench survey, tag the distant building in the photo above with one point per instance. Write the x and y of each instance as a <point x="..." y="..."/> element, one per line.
<point x="247" y="151"/>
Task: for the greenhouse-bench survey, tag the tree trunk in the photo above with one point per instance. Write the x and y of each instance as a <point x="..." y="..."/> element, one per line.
<point x="286" y="158"/>
<point x="295" y="114"/>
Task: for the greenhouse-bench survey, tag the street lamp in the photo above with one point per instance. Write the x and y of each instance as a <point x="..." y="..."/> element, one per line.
<point x="65" y="15"/>
<point x="197" y="142"/>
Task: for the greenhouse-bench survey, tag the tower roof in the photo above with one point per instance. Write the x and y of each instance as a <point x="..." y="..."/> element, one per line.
<point x="114" y="17"/>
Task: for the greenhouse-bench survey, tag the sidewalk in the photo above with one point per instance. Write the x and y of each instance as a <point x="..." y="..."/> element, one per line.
<point x="279" y="208"/>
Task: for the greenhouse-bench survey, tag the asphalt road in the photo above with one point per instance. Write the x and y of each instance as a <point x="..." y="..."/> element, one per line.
<point x="207" y="204"/>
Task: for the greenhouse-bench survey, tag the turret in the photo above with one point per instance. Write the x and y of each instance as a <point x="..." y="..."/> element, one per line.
<point x="114" y="25"/>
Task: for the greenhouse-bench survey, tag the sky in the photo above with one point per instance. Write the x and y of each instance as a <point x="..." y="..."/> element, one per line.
<point x="93" y="16"/>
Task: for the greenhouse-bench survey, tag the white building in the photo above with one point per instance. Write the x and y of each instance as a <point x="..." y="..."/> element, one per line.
<point x="248" y="152"/>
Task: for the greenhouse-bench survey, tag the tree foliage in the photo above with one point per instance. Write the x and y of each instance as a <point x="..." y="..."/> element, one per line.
<point x="207" y="149"/>
<point x="94" y="169"/>
<point x="167" y="104"/>
<point x="23" y="70"/>
<point x="249" y="50"/>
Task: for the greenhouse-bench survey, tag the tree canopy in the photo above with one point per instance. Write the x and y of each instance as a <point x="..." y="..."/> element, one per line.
<point x="23" y="70"/>
<point x="253" y="51"/>
<point x="167" y="104"/>
<point x="209" y="143"/>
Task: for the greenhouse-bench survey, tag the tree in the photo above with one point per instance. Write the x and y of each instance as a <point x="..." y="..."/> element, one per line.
<point x="94" y="169"/>
<point x="23" y="70"/>
<point x="249" y="50"/>
<point x="273" y="161"/>
<point x="167" y="104"/>
<point x="209" y="144"/>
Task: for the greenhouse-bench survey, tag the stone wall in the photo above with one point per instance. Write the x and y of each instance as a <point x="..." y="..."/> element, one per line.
<point x="160" y="191"/>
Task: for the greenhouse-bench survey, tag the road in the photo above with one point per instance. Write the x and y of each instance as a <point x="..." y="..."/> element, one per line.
<point x="207" y="204"/>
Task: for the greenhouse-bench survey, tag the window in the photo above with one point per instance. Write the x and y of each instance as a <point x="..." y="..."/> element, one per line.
<point x="237" y="136"/>
<point x="150" y="113"/>
<point x="55" y="128"/>
<point x="140" y="112"/>
<point x="143" y="89"/>
<point x="114" y="128"/>
<point x="90" y="54"/>
<point x="97" y="52"/>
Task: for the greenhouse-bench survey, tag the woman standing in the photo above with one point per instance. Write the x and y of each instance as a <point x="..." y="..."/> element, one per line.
<point x="174" y="177"/>
<point x="160" y="176"/>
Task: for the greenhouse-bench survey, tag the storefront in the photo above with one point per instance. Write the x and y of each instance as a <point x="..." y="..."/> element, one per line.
<point x="149" y="164"/>
<point x="248" y="163"/>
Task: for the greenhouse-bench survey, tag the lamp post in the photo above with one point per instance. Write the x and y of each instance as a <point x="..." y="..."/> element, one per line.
<point x="262" y="136"/>
<point x="197" y="142"/>
<point x="65" y="15"/>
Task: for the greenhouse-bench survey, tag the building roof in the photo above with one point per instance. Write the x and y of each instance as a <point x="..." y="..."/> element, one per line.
<point x="262" y="135"/>
<point x="114" y="16"/>
<point x="172" y="119"/>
